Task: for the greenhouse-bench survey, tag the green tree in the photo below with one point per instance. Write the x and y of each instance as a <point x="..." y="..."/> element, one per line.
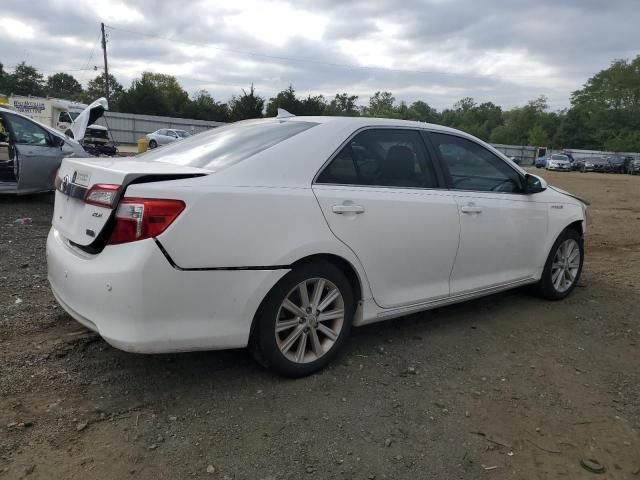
<point x="25" y="80"/>
<point x="381" y="104"/>
<point x="344" y="105"/>
<point x="285" y="99"/>
<point x="313" y="105"/>
<point x="422" y="112"/>
<point x="63" y="85"/>
<point x="479" y="120"/>
<point x="204" y="107"/>
<point x="607" y="108"/>
<point x="95" y="89"/>
<point x="247" y="105"/>
<point x="155" y="94"/>
<point x="538" y="136"/>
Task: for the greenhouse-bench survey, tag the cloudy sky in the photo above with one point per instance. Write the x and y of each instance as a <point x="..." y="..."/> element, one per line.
<point x="505" y="51"/>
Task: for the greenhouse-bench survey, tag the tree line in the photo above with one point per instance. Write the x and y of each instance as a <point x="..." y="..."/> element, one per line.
<point x="604" y="114"/>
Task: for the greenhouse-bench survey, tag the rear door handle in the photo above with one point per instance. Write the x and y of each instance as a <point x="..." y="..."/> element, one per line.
<point x="341" y="209"/>
<point x="470" y="209"/>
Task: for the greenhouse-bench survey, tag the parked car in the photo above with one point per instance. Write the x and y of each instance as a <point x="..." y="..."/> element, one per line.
<point x="281" y="234"/>
<point x="541" y="162"/>
<point x="30" y="153"/>
<point x="617" y="164"/>
<point x="164" y="136"/>
<point x="577" y="165"/>
<point x="596" y="164"/>
<point x="634" y="166"/>
<point x="559" y="161"/>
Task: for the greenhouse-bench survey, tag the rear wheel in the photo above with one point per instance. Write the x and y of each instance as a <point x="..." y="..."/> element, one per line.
<point x="563" y="267"/>
<point x="304" y="320"/>
<point x="153" y="144"/>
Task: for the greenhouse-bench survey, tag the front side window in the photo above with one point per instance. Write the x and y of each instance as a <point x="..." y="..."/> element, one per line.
<point x="64" y="117"/>
<point x="382" y="157"/>
<point x="26" y="132"/>
<point x="473" y="167"/>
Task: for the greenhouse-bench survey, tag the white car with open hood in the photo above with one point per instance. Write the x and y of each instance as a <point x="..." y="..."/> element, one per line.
<point x="281" y="234"/>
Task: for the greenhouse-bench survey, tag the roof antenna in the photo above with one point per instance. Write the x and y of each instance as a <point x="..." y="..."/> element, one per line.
<point x="282" y="113"/>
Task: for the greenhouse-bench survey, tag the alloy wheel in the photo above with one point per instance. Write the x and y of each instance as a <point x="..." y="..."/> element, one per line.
<point x="566" y="265"/>
<point x="309" y="320"/>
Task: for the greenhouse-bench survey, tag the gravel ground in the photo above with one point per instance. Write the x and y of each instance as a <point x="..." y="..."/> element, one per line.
<point x="509" y="386"/>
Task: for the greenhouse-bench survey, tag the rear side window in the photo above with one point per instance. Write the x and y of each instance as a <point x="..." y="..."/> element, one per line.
<point x="223" y="146"/>
<point x="473" y="167"/>
<point x="382" y="157"/>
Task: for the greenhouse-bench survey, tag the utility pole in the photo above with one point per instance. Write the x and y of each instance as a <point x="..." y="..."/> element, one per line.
<point x="106" y="69"/>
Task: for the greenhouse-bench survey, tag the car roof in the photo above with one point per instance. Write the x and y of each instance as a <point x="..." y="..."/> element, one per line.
<point x="359" y="122"/>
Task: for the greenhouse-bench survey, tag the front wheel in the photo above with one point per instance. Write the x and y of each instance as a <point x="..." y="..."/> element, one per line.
<point x="304" y="320"/>
<point x="153" y="144"/>
<point x="563" y="267"/>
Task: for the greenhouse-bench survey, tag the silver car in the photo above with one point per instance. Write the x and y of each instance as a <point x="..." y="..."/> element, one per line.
<point x="165" y="135"/>
<point x="559" y="162"/>
<point x="31" y="153"/>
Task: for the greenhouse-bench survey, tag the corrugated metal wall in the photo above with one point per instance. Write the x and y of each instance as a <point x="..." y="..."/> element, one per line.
<point x="524" y="154"/>
<point x="127" y="128"/>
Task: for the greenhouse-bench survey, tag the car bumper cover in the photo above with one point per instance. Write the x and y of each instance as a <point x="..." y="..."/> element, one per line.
<point x="138" y="302"/>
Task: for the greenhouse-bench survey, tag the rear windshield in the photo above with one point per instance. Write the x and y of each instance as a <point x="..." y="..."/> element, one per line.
<point x="223" y="146"/>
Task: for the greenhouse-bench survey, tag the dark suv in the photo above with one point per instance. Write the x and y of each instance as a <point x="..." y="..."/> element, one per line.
<point x="595" y="164"/>
<point x="617" y="164"/>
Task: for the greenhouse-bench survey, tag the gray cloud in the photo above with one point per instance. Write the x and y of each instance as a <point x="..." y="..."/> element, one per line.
<point x="434" y="50"/>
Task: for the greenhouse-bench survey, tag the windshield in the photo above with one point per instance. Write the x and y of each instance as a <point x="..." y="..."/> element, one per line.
<point x="559" y="157"/>
<point x="74" y="115"/>
<point x="223" y="146"/>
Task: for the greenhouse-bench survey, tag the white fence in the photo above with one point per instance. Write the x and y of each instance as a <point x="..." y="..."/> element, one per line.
<point x="127" y="128"/>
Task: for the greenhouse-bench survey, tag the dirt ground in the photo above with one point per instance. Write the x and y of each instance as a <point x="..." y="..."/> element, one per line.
<point x="509" y="386"/>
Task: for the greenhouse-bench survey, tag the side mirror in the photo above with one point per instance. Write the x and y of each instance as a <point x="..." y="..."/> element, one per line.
<point x="534" y="184"/>
<point x="56" y="141"/>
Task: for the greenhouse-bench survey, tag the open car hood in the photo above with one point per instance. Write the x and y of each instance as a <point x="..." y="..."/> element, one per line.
<point x="87" y="117"/>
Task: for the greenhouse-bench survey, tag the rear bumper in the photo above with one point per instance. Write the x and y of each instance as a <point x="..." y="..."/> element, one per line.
<point x="138" y="302"/>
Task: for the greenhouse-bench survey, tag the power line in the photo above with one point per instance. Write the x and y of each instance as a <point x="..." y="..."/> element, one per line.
<point x="86" y="65"/>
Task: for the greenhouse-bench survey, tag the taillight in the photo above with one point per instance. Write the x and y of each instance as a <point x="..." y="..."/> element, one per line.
<point x="102" y="195"/>
<point x="140" y="218"/>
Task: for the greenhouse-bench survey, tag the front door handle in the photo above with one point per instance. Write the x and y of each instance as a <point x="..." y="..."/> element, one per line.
<point x="341" y="209"/>
<point x="470" y="209"/>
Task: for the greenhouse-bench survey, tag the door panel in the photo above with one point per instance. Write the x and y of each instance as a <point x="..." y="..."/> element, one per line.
<point x="406" y="239"/>
<point x="500" y="235"/>
<point x="37" y="166"/>
<point x="501" y="228"/>
<point x="36" y="158"/>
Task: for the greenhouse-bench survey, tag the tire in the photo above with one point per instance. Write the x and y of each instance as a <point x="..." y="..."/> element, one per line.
<point x="153" y="144"/>
<point x="560" y="289"/>
<point x="280" y="351"/>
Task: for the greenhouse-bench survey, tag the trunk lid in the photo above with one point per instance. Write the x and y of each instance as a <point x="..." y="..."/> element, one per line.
<point x="82" y="223"/>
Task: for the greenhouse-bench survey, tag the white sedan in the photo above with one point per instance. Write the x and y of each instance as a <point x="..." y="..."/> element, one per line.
<point x="281" y="234"/>
<point x="559" y="162"/>
<point x="164" y="136"/>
